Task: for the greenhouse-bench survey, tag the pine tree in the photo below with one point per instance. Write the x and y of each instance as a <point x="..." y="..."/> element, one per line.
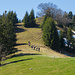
<point x="7" y="36"/>
<point x="26" y="20"/>
<point x="45" y="17"/>
<point x="73" y="20"/>
<point x="69" y="36"/>
<point x="12" y="17"/>
<point x="62" y="43"/>
<point x="32" y="19"/>
<point x="50" y="34"/>
<point x="0" y="20"/>
<point x="70" y="15"/>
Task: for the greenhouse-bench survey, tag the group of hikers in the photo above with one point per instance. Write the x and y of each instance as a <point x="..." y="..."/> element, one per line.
<point x="33" y="46"/>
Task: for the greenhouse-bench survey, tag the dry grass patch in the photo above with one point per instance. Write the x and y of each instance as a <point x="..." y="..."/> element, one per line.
<point x="34" y="35"/>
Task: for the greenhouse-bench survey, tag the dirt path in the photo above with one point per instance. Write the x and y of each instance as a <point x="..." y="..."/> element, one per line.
<point x="23" y="35"/>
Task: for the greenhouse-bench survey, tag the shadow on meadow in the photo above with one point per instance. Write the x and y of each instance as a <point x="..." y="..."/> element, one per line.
<point x="17" y="61"/>
<point x="21" y="44"/>
<point x="23" y="54"/>
<point x="18" y="44"/>
<point x="18" y="55"/>
<point x="18" y="25"/>
<point x="36" y="26"/>
<point x="19" y="30"/>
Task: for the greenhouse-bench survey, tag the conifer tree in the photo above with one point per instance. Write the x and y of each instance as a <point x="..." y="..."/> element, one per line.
<point x="26" y="20"/>
<point x="7" y="36"/>
<point x="0" y="20"/>
<point x="50" y="34"/>
<point x="73" y="20"/>
<point x="45" y="17"/>
<point x="70" y="14"/>
<point x="12" y="17"/>
<point x="32" y="19"/>
<point x="62" y="43"/>
<point x="69" y="36"/>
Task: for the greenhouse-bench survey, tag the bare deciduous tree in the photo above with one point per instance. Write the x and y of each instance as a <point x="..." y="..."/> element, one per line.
<point x="51" y="10"/>
<point x="47" y="8"/>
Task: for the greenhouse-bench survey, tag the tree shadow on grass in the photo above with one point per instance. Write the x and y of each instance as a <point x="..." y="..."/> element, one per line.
<point x="18" y="30"/>
<point x="23" y="54"/>
<point x="18" y="45"/>
<point x="21" y="44"/>
<point x="18" y="55"/>
<point x="36" y="26"/>
<point x="17" y="61"/>
<point x="18" y="25"/>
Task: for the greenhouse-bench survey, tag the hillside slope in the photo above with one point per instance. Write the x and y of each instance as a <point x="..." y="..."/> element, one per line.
<point x="34" y="35"/>
<point x="30" y="62"/>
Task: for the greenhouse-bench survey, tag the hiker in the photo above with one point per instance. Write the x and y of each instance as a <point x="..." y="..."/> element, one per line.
<point x="34" y="47"/>
<point x="39" y="49"/>
<point x="31" y="46"/>
<point x="29" y="43"/>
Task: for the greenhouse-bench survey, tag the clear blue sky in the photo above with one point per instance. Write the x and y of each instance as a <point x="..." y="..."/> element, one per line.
<point x="21" y="6"/>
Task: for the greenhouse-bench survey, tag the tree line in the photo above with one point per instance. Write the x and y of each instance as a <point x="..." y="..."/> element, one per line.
<point x="7" y="33"/>
<point x="63" y="19"/>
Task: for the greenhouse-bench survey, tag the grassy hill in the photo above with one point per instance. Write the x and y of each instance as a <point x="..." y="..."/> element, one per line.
<point x="39" y="20"/>
<point x="27" y="61"/>
<point x="34" y="35"/>
<point x="34" y="64"/>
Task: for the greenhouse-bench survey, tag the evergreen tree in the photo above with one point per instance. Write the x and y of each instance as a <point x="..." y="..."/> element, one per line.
<point x="7" y="36"/>
<point x="12" y="17"/>
<point x="50" y="34"/>
<point x="69" y="36"/>
<point x="15" y="19"/>
<point x="73" y="19"/>
<point x="62" y="43"/>
<point x="0" y="20"/>
<point x="70" y="15"/>
<point x="26" y="20"/>
<point x="45" y="17"/>
<point x="32" y="19"/>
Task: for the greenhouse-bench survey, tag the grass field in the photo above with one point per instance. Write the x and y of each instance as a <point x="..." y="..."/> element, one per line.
<point x="30" y="62"/>
<point x="36" y="64"/>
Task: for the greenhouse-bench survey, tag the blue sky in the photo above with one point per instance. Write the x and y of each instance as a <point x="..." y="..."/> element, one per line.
<point x="21" y="6"/>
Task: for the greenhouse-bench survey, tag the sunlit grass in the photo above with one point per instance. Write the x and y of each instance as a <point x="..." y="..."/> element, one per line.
<point x="38" y="65"/>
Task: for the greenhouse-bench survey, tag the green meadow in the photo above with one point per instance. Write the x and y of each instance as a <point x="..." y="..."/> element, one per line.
<point x="37" y="64"/>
